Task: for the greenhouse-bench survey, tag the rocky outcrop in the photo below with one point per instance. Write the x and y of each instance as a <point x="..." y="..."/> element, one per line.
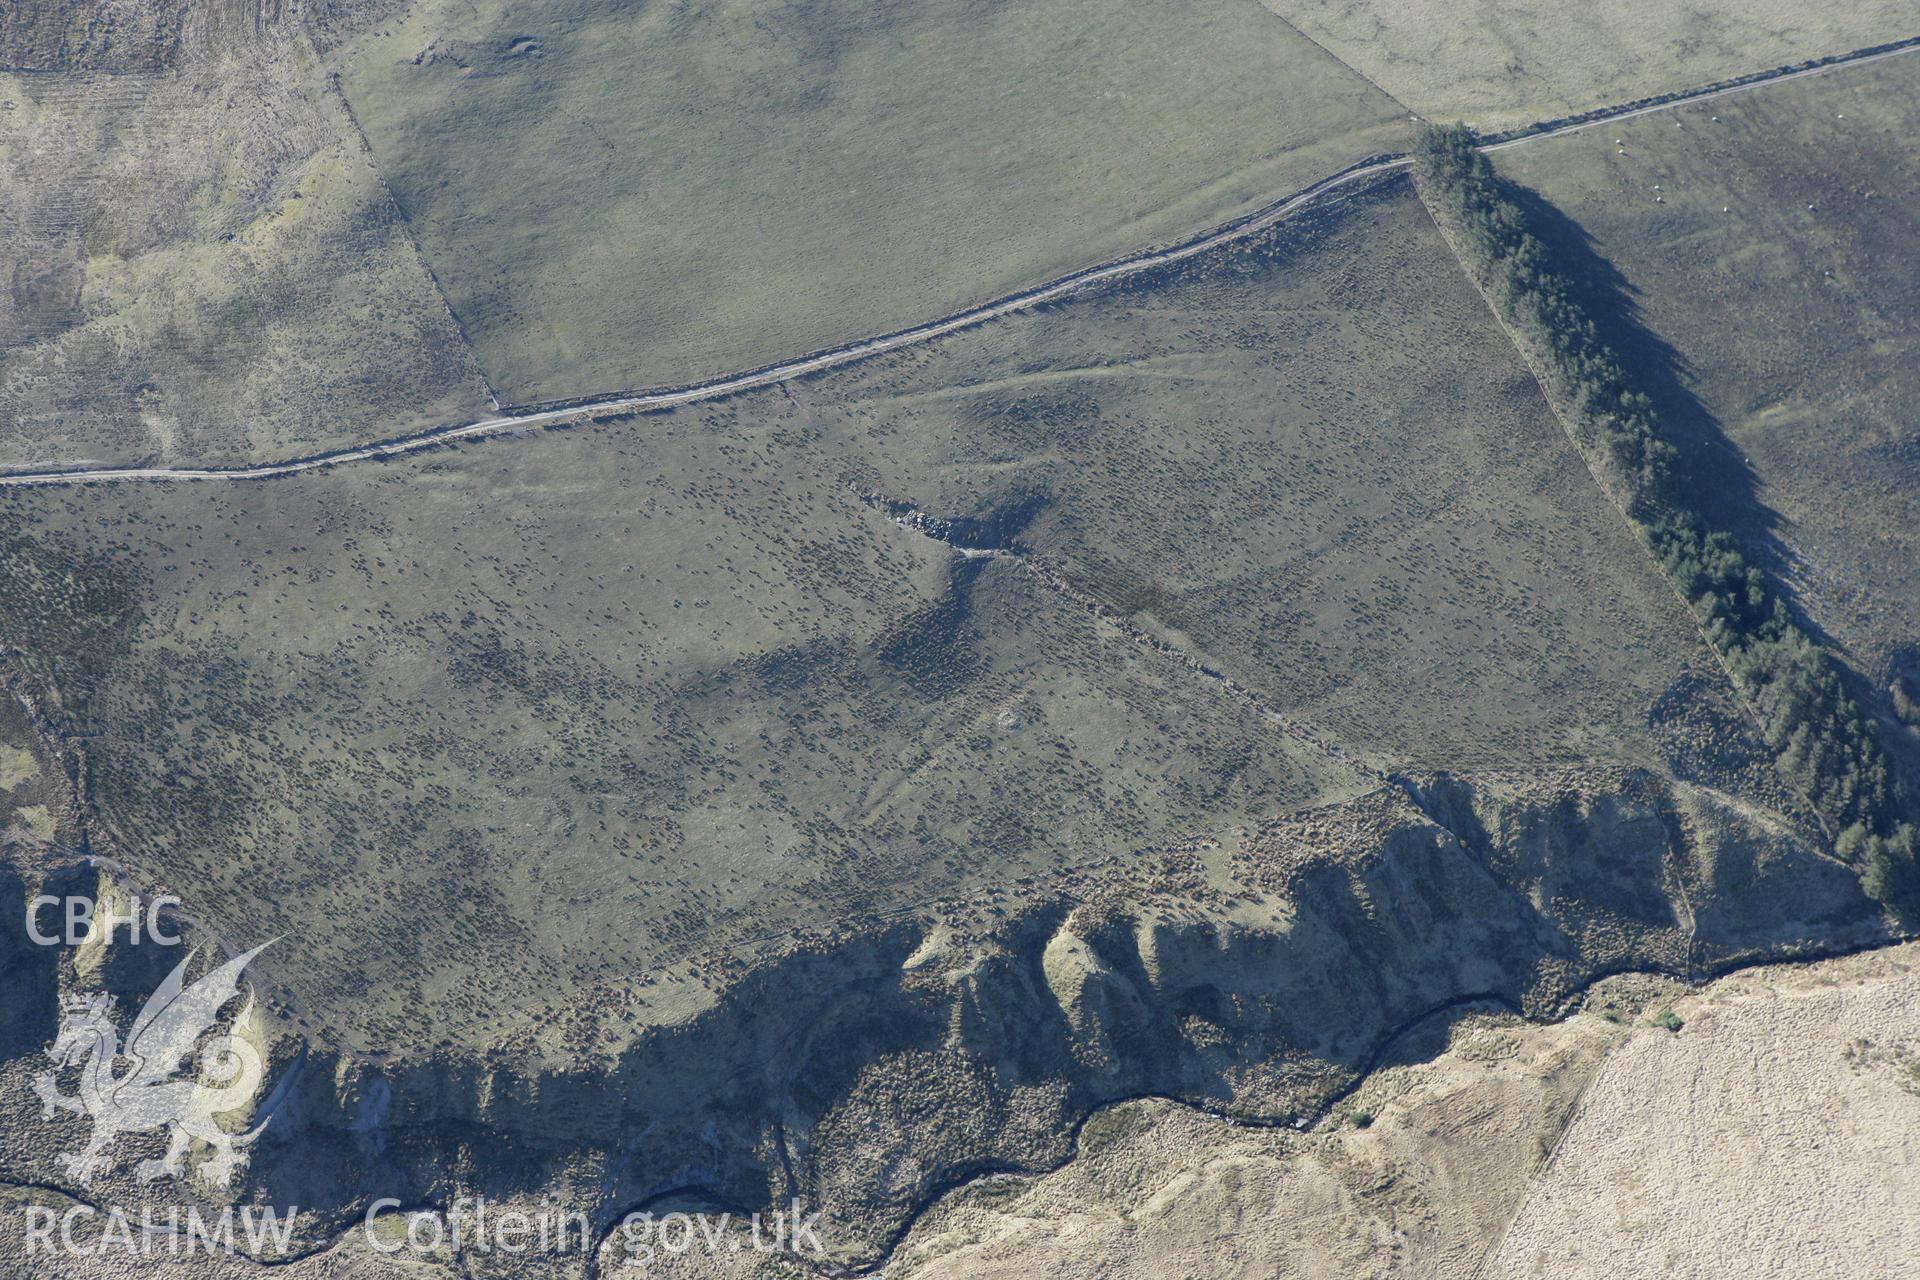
<point x="865" y="1076"/>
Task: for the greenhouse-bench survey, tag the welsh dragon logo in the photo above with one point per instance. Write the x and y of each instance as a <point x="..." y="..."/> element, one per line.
<point x="137" y="1089"/>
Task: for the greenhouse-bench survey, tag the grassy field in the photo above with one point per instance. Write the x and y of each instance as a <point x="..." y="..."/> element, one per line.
<point x="616" y="194"/>
<point x="1501" y="65"/>
<point x="1315" y="461"/>
<point x="565" y="709"/>
<point x="1767" y="252"/>
<point x="201" y="265"/>
<point x="33" y="799"/>
<point x="480" y="732"/>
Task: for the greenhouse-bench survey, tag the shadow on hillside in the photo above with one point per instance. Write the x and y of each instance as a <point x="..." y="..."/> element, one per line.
<point x="1712" y="474"/>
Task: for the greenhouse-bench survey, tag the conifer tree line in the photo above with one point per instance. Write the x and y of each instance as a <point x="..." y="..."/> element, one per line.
<point x="1823" y="742"/>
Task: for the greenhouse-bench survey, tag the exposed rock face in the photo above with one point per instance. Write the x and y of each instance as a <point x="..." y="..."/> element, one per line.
<point x="865" y="1075"/>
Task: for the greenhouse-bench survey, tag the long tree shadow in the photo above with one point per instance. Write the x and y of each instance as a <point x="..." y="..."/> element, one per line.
<point x="1712" y="473"/>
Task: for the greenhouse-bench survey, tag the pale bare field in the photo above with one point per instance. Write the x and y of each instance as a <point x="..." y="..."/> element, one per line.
<point x="1502" y="63"/>
<point x="1774" y="1134"/>
<point x="1777" y="1134"/>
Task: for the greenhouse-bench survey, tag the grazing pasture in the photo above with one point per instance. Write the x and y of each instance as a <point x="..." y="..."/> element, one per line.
<point x="1500" y="64"/>
<point x="617" y="194"/>
<point x="1764" y="241"/>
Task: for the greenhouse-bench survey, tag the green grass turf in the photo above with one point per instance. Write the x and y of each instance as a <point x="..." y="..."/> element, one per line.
<point x="1515" y="62"/>
<point x="1775" y="273"/>
<point x="617" y="194"/>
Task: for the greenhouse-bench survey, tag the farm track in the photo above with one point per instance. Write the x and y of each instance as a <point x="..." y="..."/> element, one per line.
<point x="641" y="401"/>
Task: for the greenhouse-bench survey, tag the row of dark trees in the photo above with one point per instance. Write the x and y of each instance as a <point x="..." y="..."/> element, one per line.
<point x="1823" y="741"/>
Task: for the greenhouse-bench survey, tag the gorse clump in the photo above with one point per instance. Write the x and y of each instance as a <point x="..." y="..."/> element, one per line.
<point x="1822" y="741"/>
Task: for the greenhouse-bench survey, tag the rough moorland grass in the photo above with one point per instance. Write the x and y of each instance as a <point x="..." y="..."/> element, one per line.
<point x="1823" y="740"/>
<point x="616" y="194"/>
<point x="483" y="733"/>
<point x="1315" y="461"/>
<point x="486" y="730"/>
<point x="1776" y="259"/>
<point x="1502" y="65"/>
<point x="201" y="266"/>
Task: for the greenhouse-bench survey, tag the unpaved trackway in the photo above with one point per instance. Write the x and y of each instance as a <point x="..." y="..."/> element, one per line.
<point x="731" y="384"/>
